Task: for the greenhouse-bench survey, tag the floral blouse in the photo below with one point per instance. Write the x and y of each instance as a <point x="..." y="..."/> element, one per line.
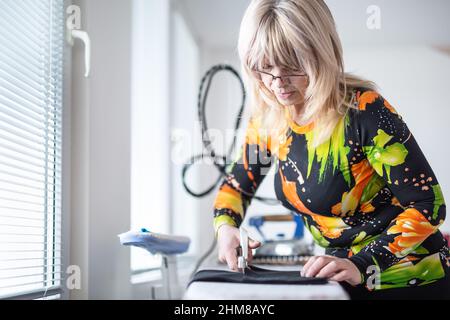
<point x="367" y="193"/>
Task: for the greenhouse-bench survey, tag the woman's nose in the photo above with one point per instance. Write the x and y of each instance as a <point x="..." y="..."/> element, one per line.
<point x="278" y="82"/>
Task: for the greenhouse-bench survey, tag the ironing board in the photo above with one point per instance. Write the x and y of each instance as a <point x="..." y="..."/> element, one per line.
<point x="250" y="291"/>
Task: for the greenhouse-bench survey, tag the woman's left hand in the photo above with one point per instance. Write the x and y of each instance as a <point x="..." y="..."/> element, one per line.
<point x="333" y="268"/>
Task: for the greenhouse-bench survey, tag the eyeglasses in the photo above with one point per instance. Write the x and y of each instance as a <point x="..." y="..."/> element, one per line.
<point x="288" y="77"/>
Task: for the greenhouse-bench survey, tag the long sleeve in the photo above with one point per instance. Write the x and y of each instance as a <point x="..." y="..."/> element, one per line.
<point x="244" y="175"/>
<point x="395" y="155"/>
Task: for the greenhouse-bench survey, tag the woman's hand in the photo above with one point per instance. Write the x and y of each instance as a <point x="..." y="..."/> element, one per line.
<point x="333" y="268"/>
<point x="228" y="240"/>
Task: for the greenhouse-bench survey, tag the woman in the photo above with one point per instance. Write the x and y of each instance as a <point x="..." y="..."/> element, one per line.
<point x="345" y="160"/>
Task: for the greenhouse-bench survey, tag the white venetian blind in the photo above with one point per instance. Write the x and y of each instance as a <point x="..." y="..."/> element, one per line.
<point x="31" y="66"/>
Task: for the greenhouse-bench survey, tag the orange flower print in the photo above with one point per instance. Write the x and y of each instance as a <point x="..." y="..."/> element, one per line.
<point x="413" y="227"/>
<point x="290" y="191"/>
<point x="330" y="227"/>
<point x="367" y="97"/>
<point x="283" y="149"/>
<point x="362" y="173"/>
<point x="367" y="207"/>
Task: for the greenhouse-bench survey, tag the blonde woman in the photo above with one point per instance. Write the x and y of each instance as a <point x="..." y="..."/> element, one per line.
<point x="345" y="160"/>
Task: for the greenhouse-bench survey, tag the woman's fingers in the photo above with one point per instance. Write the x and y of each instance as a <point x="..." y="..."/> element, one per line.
<point x="250" y="255"/>
<point x="228" y="241"/>
<point x="253" y="244"/>
<point x="307" y="265"/>
<point x="231" y="260"/>
<point x="316" y="266"/>
<point x="333" y="268"/>
<point x="341" y="276"/>
<point x="329" y="269"/>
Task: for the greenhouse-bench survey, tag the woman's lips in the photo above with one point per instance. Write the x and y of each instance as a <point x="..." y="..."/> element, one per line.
<point x="285" y="95"/>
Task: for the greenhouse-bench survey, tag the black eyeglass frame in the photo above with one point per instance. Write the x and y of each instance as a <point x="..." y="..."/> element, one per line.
<point x="287" y="76"/>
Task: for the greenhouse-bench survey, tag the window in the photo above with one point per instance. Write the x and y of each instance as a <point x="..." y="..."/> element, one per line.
<point x="31" y="76"/>
<point x="149" y="135"/>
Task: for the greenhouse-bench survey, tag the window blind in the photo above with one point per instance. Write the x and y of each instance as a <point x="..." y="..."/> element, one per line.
<point x="31" y="77"/>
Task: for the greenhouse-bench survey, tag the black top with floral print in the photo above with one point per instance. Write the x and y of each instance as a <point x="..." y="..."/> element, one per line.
<point x="367" y="193"/>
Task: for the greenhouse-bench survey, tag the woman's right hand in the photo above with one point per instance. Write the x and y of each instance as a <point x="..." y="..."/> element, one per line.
<point x="228" y="240"/>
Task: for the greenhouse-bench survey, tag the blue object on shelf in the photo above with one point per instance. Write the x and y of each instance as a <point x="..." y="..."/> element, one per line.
<point x="155" y="242"/>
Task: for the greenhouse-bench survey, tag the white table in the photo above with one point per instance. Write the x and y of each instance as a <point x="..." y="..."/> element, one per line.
<point x="249" y="291"/>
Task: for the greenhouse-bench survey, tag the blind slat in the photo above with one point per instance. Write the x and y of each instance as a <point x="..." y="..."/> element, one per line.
<point x="26" y="145"/>
<point x="25" y="27"/>
<point x="20" y="193"/>
<point x="14" y="81"/>
<point x="28" y="178"/>
<point x="37" y="131"/>
<point x="37" y="16"/>
<point x="27" y="186"/>
<point x="20" y="209"/>
<point x="16" y="102"/>
<point x="21" y="226"/>
<point x="31" y="275"/>
<point x="8" y="128"/>
<point x="27" y="242"/>
<point x="30" y="283"/>
<point x="57" y="218"/>
<point x="25" y="259"/>
<point x="16" y="45"/>
<point x="21" y="168"/>
<point x="26" y="251"/>
<point x="33" y="155"/>
<point x="19" y="62"/>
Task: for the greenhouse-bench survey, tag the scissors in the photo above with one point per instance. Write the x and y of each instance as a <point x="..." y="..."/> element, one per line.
<point x="242" y="250"/>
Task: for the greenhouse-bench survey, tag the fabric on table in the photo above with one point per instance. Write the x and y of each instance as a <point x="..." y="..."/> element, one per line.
<point x="255" y="275"/>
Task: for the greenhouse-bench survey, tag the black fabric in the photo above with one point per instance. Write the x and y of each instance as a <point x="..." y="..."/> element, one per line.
<point x="256" y="275"/>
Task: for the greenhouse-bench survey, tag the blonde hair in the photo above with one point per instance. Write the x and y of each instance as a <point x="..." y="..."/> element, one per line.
<point x="298" y="34"/>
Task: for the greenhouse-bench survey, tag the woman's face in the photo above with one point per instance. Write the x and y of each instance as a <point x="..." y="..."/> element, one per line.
<point x="286" y="84"/>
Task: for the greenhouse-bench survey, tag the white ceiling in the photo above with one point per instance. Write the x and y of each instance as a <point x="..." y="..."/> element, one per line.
<point x="215" y="23"/>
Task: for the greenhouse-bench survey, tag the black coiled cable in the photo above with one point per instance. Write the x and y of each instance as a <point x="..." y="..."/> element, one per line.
<point x="218" y="161"/>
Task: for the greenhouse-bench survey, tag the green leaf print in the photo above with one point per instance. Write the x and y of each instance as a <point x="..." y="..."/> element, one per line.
<point x="317" y="235"/>
<point x="375" y="184"/>
<point x="429" y="269"/>
<point x="333" y="148"/>
<point x="361" y="241"/>
<point x="438" y="199"/>
<point x="381" y="157"/>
